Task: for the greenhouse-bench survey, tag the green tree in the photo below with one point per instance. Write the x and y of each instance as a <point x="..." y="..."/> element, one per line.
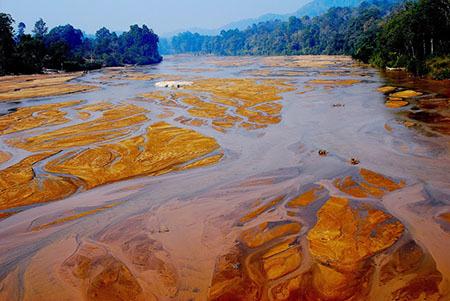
<point x="414" y="34"/>
<point x="29" y="55"/>
<point x="40" y="29"/>
<point x="139" y="46"/>
<point x="20" y="31"/>
<point x="7" y="47"/>
<point x="67" y="34"/>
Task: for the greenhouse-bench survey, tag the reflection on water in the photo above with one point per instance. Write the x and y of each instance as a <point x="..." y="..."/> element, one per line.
<point x="287" y="178"/>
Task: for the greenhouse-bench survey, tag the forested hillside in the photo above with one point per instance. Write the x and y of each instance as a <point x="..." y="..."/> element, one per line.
<point x="66" y="48"/>
<point x="414" y="35"/>
<point x="312" y="8"/>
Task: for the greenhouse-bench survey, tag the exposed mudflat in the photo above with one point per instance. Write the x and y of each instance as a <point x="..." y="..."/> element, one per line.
<point x="272" y="178"/>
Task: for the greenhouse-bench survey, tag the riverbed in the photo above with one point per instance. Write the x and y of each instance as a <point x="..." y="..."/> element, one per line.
<point x="259" y="178"/>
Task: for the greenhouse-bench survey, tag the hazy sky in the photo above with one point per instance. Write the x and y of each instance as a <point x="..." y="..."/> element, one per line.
<point x="161" y="15"/>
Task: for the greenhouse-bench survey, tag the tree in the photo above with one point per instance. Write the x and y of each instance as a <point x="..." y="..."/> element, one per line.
<point x="341" y="30"/>
<point x="40" y="29"/>
<point x="66" y="48"/>
<point x="57" y="54"/>
<point x="414" y="34"/>
<point x="20" y="31"/>
<point x="67" y="34"/>
<point x="361" y="33"/>
<point x="30" y="54"/>
<point x="139" y="46"/>
<point x="105" y="42"/>
<point x="7" y="47"/>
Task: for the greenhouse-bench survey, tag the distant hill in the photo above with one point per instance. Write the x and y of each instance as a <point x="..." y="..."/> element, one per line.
<point x="243" y="24"/>
<point x="318" y="7"/>
<point x="312" y="9"/>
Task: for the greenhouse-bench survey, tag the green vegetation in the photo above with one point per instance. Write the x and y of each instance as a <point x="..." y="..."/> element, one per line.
<point x="413" y="35"/>
<point x="341" y="30"/>
<point x="66" y="48"/>
<point x="439" y="67"/>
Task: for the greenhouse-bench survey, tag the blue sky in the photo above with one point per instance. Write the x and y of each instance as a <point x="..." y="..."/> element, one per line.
<point x="161" y="15"/>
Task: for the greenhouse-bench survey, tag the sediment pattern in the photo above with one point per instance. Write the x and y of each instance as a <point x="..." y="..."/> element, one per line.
<point x="164" y="148"/>
<point x="30" y="86"/>
<point x="21" y="186"/>
<point x="34" y="117"/>
<point x="227" y="103"/>
<point x="346" y="244"/>
<point x="314" y="180"/>
<point x="99" y="147"/>
<point x="421" y="109"/>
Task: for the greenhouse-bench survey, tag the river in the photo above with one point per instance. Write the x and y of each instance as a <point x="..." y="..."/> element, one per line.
<point x="261" y="178"/>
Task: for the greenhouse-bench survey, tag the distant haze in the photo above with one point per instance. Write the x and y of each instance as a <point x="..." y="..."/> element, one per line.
<point x="161" y="15"/>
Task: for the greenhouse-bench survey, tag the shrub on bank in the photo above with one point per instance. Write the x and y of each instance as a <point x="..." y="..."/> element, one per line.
<point x="439" y="67"/>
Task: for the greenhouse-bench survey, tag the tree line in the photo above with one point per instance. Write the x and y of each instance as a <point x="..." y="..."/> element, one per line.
<point x="67" y="48"/>
<point x="412" y="35"/>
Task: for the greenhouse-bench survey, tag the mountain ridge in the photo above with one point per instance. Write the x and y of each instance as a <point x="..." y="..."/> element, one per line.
<point x="312" y="8"/>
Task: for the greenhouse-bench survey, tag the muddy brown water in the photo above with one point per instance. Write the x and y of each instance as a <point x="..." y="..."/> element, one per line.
<point x="164" y="235"/>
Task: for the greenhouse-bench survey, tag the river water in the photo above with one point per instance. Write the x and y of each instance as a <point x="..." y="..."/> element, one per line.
<point x="166" y="236"/>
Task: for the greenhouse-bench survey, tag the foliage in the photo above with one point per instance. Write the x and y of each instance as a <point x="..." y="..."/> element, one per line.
<point x="439" y="67"/>
<point x="379" y="32"/>
<point x="40" y="29"/>
<point x="139" y="46"/>
<point x="341" y="30"/>
<point x="66" y="48"/>
<point x="20" y="31"/>
<point x="29" y="55"/>
<point x="165" y="46"/>
<point x="6" y="43"/>
<point x="414" y="34"/>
